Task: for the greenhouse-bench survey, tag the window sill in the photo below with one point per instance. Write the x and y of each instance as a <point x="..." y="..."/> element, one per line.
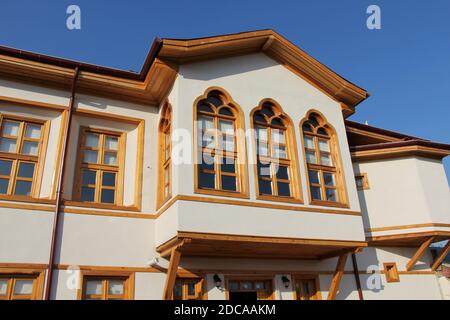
<point x="329" y="204"/>
<point x="98" y="205"/>
<point x="279" y="199"/>
<point x="222" y="193"/>
<point x="27" y="199"/>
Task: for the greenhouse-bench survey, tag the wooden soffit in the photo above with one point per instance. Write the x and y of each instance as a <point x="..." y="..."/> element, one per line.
<point x="408" y="239"/>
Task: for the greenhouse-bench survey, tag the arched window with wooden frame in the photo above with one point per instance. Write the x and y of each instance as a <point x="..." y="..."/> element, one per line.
<point x="221" y="166"/>
<point x="165" y="155"/>
<point x="323" y="163"/>
<point x="276" y="154"/>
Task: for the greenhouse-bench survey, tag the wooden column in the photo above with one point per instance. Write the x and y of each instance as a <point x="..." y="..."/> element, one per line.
<point x="437" y="262"/>
<point x="337" y="277"/>
<point x="175" y="256"/>
<point x="419" y="253"/>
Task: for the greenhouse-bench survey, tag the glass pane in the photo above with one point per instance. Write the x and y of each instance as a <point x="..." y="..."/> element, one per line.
<point x="111" y="143"/>
<point x="267" y="110"/>
<point x="283" y="172"/>
<point x="259" y="285"/>
<point x="277" y="122"/>
<point x="116" y="287"/>
<point x="206" y="180"/>
<point x="261" y="133"/>
<point x="94" y="287"/>
<point x="228" y="165"/>
<point x="110" y="158"/>
<point x="310" y="157"/>
<point x="284" y="189"/>
<point x="23" y="287"/>
<point x="316" y="193"/>
<point x="263" y="149"/>
<point x="4" y="186"/>
<point x="331" y="195"/>
<point x="324" y="145"/>
<point x="279" y="152"/>
<point x="226" y="111"/>
<point x="313" y="121"/>
<point x="10" y="128"/>
<point x="89" y="177"/>
<point x="259" y="118"/>
<point x="226" y="126"/>
<point x="322" y="131"/>
<point x="325" y="159"/>
<point x="206" y="162"/>
<point x="23" y="188"/>
<point x="178" y="290"/>
<point x="359" y="182"/>
<point x="26" y="170"/>
<point x="233" y="285"/>
<point x="3" y="286"/>
<point x="265" y="187"/>
<point x="33" y="131"/>
<point x="205" y="123"/>
<point x="215" y="100"/>
<point x="228" y="143"/>
<point x="306" y="127"/>
<point x="109" y="179"/>
<point x="229" y="183"/>
<point x="309" y="143"/>
<point x="7" y="145"/>
<point x="191" y="288"/>
<point x="204" y="107"/>
<point x="314" y="177"/>
<point x="92" y="140"/>
<point x="207" y="139"/>
<point x="329" y="179"/>
<point x="278" y="136"/>
<point x="264" y="169"/>
<point x="246" y="285"/>
<point x="5" y="167"/>
<point x="108" y="196"/>
<point x="87" y="194"/>
<point x="90" y="156"/>
<point x="30" y="148"/>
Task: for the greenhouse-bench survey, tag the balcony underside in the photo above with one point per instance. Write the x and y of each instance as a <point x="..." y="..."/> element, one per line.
<point x="233" y="246"/>
<point x="408" y="239"/>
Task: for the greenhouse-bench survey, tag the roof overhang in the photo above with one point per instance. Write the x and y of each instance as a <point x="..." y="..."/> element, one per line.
<point x="408" y="239"/>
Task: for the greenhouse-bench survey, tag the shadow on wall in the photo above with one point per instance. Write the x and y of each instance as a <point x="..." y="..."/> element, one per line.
<point x="363" y="204"/>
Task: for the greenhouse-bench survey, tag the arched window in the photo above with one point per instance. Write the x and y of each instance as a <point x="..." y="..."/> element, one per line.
<point x="165" y="155"/>
<point x="325" y="176"/>
<point x="276" y="153"/>
<point x="221" y="165"/>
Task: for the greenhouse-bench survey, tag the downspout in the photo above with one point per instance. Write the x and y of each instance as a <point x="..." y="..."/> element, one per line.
<point x="357" y="279"/>
<point x="59" y="190"/>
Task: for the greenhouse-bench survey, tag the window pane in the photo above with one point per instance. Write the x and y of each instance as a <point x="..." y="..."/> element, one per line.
<point x="206" y="180"/>
<point x="261" y="133"/>
<point x="284" y="189"/>
<point x="33" y="131"/>
<point x="226" y="111"/>
<point x="322" y="131"/>
<point x="23" y="188"/>
<point x="324" y="145"/>
<point x="108" y="196"/>
<point x="116" y="287"/>
<point x="226" y="126"/>
<point x="3" y="286"/>
<point x="10" y="128"/>
<point x="109" y="179"/>
<point x="30" y="148"/>
<point x="309" y="142"/>
<point x="87" y="194"/>
<point x="277" y="122"/>
<point x="91" y="140"/>
<point x="265" y="187"/>
<point x="314" y="177"/>
<point x="229" y="183"/>
<point x="316" y="193"/>
<point x="233" y="285"/>
<point x="228" y="165"/>
<point x="26" y="170"/>
<point x="178" y="290"/>
<point x="4" y="186"/>
<point x="204" y="107"/>
<point x="110" y="158"/>
<point x="325" y="159"/>
<point x="329" y="179"/>
<point x="215" y="100"/>
<point x="5" y="167"/>
<point x="90" y="156"/>
<point x="263" y="149"/>
<point x="264" y="169"/>
<point x="111" y="143"/>
<point x="7" y="145"/>
<point x="359" y="182"/>
<point x="191" y="288"/>
<point x="94" y="287"/>
<point x="310" y="157"/>
<point x="282" y="172"/>
<point x="278" y="136"/>
<point x="208" y="139"/>
<point x="331" y="195"/>
<point x="306" y="127"/>
<point x="259" y="285"/>
<point x="246" y="285"/>
<point x="279" y="152"/>
<point x="228" y="143"/>
<point x="206" y="162"/>
<point x="89" y="177"/>
<point x="258" y="117"/>
<point x="205" y="123"/>
<point x="23" y="287"/>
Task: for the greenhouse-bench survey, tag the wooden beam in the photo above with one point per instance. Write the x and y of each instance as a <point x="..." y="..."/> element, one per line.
<point x="419" y="253"/>
<point x="172" y="273"/>
<point x="335" y="282"/>
<point x="444" y="252"/>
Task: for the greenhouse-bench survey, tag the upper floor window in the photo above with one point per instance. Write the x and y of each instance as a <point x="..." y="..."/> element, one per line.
<point x="165" y="155"/>
<point x="21" y="143"/>
<point x="276" y="153"/>
<point x="325" y="176"/>
<point x="100" y="166"/>
<point x="221" y="166"/>
<point x="188" y="289"/>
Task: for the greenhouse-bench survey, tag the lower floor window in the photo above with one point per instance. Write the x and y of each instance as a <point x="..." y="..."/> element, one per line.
<point x="17" y="287"/>
<point x="250" y="290"/>
<point x="188" y="289"/>
<point x="101" y="288"/>
<point x="306" y="289"/>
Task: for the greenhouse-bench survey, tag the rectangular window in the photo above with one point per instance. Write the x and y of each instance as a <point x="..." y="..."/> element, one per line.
<point x="20" y="149"/>
<point x="106" y="288"/>
<point x="250" y="290"/>
<point x="188" y="289"/>
<point x="18" y="287"/>
<point x="391" y="272"/>
<point x="306" y="289"/>
<point x="362" y="181"/>
<point x="100" y="167"/>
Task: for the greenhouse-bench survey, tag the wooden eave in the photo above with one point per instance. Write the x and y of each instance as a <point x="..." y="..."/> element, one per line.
<point x="408" y="239"/>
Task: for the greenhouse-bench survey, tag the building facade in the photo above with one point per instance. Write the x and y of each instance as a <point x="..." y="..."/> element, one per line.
<point x="225" y="169"/>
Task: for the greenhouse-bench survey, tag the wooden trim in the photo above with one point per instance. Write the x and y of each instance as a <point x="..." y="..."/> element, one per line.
<point x="171" y="274"/>
<point x="337" y="277"/>
<point x="32" y="207"/>
<point x="27" y="270"/>
<point x="440" y="258"/>
<point x="63" y="124"/>
<point x="419" y="253"/>
<point x="33" y="103"/>
<point x="165" y="129"/>
<point x="410" y="226"/>
<point x="139" y="165"/>
<point x="107" y="115"/>
<point x="391" y="272"/>
<point x="398" y="152"/>
<point x="149" y="216"/>
<point x="105" y="206"/>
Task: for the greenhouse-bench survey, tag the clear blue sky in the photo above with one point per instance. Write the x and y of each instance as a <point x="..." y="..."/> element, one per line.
<point x="405" y="65"/>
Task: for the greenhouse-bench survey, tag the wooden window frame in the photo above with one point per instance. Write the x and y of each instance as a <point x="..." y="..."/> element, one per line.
<point x="164" y="162"/>
<point x="16" y="157"/>
<point x="104" y="276"/>
<point x="391" y="272"/>
<point x="37" y="275"/>
<point x="315" y="278"/>
<point x="250" y="278"/>
<point x="240" y="153"/>
<point x="291" y="150"/>
<point x="100" y="168"/>
<point x="365" y="181"/>
<point x="200" y="288"/>
<point x="336" y="169"/>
